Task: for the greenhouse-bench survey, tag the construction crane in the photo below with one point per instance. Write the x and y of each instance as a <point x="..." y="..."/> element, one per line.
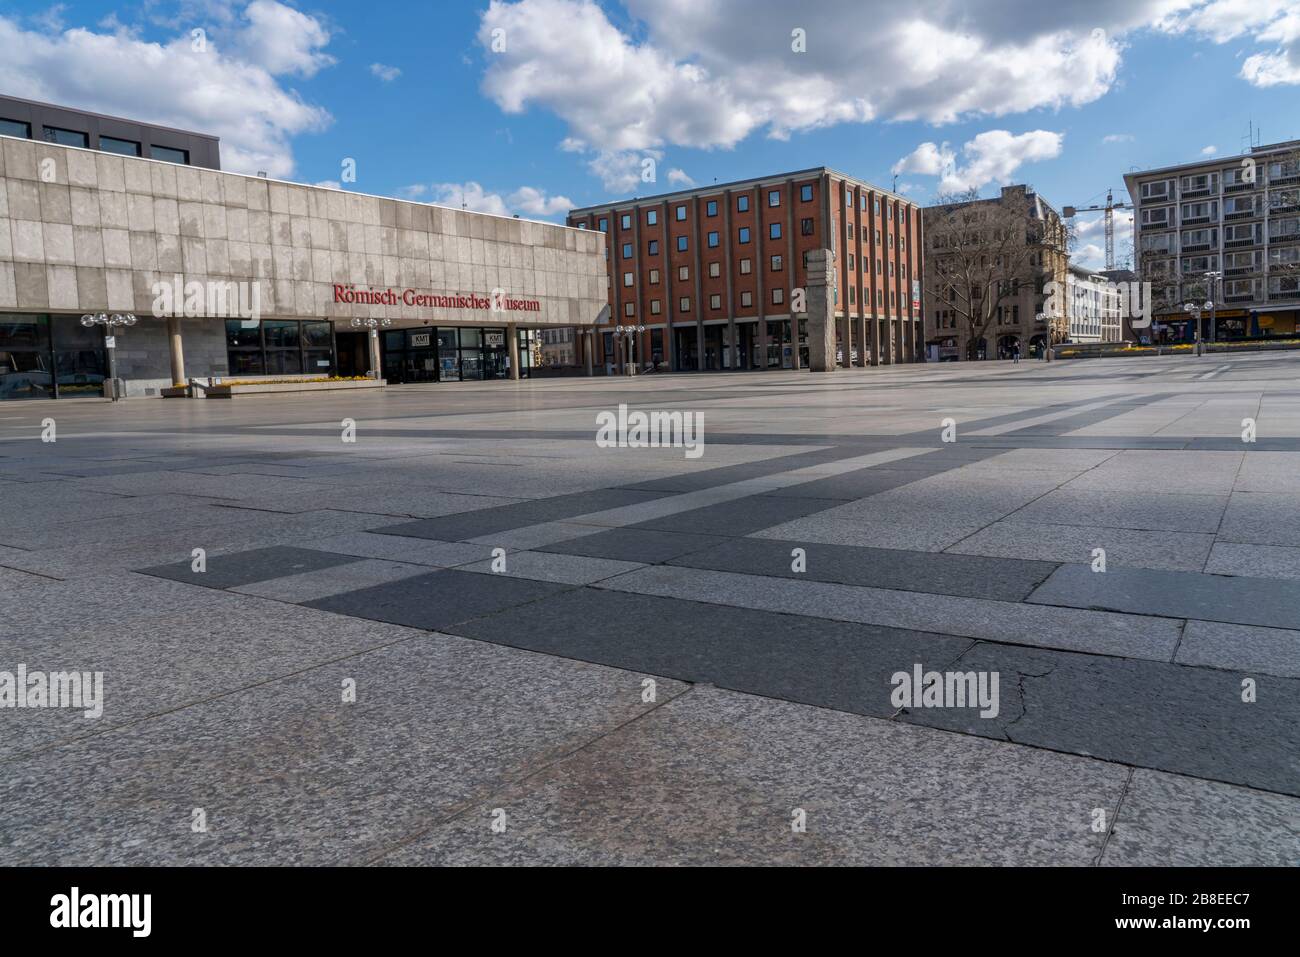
<point x="1109" y="208"/>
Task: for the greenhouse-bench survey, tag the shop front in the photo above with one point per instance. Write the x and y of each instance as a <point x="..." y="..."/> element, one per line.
<point x="455" y="354"/>
<point x="47" y="357"/>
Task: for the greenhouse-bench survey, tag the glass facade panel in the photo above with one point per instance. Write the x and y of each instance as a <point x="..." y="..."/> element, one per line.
<point x="25" y="359"/>
<point x="169" y="155"/>
<point x="66" y="137"/>
<point x="16" y="128"/>
<point x="111" y="144"/>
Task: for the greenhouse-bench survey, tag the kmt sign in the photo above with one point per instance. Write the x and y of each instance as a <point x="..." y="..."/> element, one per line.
<point x="498" y="301"/>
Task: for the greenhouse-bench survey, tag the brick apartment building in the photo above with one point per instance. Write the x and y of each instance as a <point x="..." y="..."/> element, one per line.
<point x="710" y="273"/>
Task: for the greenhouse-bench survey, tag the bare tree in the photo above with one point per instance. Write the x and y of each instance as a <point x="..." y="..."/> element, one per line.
<point x="982" y="251"/>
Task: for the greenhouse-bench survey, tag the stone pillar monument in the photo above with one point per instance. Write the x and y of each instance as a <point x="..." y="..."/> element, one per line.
<point x="820" y="302"/>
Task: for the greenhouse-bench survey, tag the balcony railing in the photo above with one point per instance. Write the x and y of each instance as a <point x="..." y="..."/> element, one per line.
<point x="1189" y="193"/>
<point x="1242" y="213"/>
<point x="1196" y="247"/>
<point x="1195" y="220"/>
<point x="1238" y="243"/>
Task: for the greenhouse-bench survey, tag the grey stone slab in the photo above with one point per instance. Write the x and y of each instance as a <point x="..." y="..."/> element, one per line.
<point x="740" y="517"/>
<point x="1254" y="560"/>
<point x="725" y="475"/>
<point x="828" y="664"/>
<point x="415" y="551"/>
<point x="436" y="600"/>
<point x="1272" y="651"/>
<point x="256" y="565"/>
<point x="1142" y="548"/>
<point x="1262" y="518"/>
<point x="289" y="774"/>
<point x="712" y="778"/>
<point x="1160" y="510"/>
<point x="1106" y="633"/>
<point x="320" y="583"/>
<point x="1199" y="473"/>
<point x="1150" y="714"/>
<point x="1146" y="591"/>
<point x="554" y="567"/>
<point x="642" y="545"/>
<point x="467" y="525"/>
<point x="1168" y="820"/>
<point x="930" y="572"/>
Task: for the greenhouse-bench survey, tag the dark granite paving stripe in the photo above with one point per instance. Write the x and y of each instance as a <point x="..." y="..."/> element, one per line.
<point x="255" y="565"/>
<point x="935" y="573"/>
<point x="864" y="483"/>
<point x="741" y="516"/>
<point x="437" y="600"/>
<point x="824" y="663"/>
<point x="1269" y="602"/>
<point x="631" y="544"/>
<point x="1089" y="417"/>
<point x="489" y="521"/>
<point x="726" y="474"/>
<point x="971" y="425"/>
<point x="1150" y="714"/>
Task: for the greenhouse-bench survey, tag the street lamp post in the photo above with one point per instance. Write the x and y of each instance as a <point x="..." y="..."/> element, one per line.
<point x="1196" y="311"/>
<point x="1047" y="350"/>
<point x="629" y="356"/>
<point x="1212" y="280"/>
<point x="373" y="325"/>
<point x="110" y="325"/>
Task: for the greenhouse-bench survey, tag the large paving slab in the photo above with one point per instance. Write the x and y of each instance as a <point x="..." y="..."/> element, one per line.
<point x="1042" y="541"/>
<point x="1245" y="601"/>
<point x="287" y="773"/>
<point x="934" y="573"/>
<point x="229" y="570"/>
<point x="824" y="663"/>
<point x="1271" y="651"/>
<point x="713" y="778"/>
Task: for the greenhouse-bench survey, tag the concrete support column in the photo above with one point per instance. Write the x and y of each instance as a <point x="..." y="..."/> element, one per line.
<point x="796" y="362"/>
<point x="375" y="369"/>
<point x="821" y="310"/>
<point x="177" y="350"/>
<point x="588" y="343"/>
<point x="512" y="334"/>
<point x="862" y="341"/>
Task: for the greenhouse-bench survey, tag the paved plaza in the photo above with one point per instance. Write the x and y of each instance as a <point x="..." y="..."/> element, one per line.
<point x="473" y="636"/>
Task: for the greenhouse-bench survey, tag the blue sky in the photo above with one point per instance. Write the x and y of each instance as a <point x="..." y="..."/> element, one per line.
<point x="1067" y="96"/>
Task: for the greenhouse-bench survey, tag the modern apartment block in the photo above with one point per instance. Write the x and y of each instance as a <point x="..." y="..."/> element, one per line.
<point x="1095" y="309"/>
<point x="974" y="231"/>
<point x="1225" y="230"/>
<point x="710" y="272"/>
<point x="29" y="120"/>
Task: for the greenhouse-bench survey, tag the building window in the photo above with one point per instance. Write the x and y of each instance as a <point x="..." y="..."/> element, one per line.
<point x="862" y="202"/>
<point x="683" y="273"/>
<point x="277" y="347"/>
<point x="805" y="193"/>
<point x="626" y="221"/>
<point x="169" y="155"/>
<point x="627" y="250"/>
<point x="681" y="244"/>
<point x="774" y="231"/>
<point x="111" y="144"/>
<point x="778" y="296"/>
<point x="851" y="266"/>
<point x="742" y="204"/>
<point x="878" y="269"/>
<point x="627" y="279"/>
<point x="743" y="235"/>
<point x="681" y="214"/>
<point x="747" y="298"/>
<point x="654" y="277"/>
<point x="715" y="301"/>
<point x="713" y="240"/>
<point x="745" y="267"/>
<point x="712" y="207"/>
<point x="54" y="134"/>
<point x="876" y="209"/>
<point x="652" y="217"/>
<point x="806" y="227"/>
<point x="877" y="237"/>
<point x="629" y="309"/>
<point x="848" y="198"/>
<point x="16" y="128"/>
<point x="852" y="291"/>
<point x="684" y="304"/>
<point x="655" y="308"/>
<point x="603" y="225"/>
<point x="715" y="269"/>
<point x="777" y="264"/>
<point x="652" y="247"/>
<point x="774" y="197"/>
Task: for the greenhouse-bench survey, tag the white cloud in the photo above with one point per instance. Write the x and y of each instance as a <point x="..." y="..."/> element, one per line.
<point x="678" y="177"/>
<point x="624" y="171"/>
<point x="708" y="74"/>
<point x="1209" y="151"/>
<point x="329" y="184"/>
<point x="1118" y="138"/>
<point x="229" y="89"/>
<point x="386" y="73"/>
<point x="1090" y="256"/>
<point x="1275" y="22"/>
<point x="993" y="156"/>
<point x="526" y="201"/>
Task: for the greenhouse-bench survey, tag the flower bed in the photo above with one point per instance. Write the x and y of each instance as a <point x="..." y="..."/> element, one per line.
<point x="227" y="390"/>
